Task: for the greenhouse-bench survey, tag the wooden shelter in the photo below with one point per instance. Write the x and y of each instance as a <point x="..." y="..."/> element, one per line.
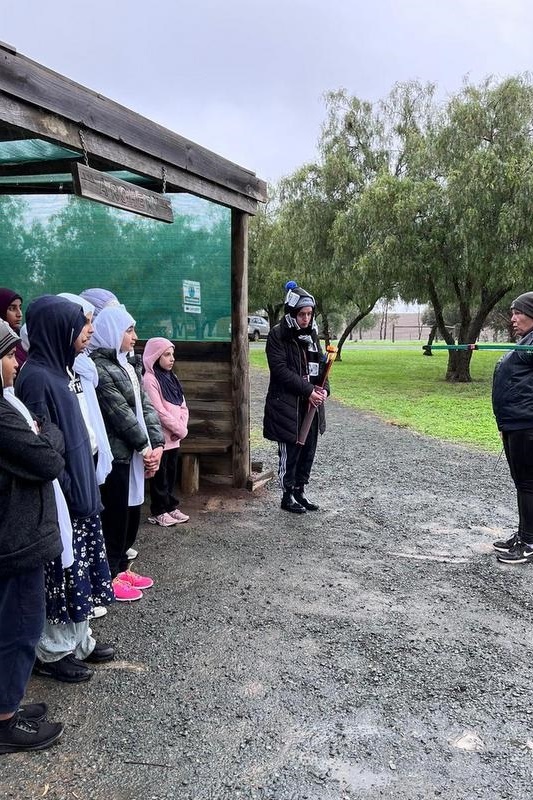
<point x="57" y="128"/>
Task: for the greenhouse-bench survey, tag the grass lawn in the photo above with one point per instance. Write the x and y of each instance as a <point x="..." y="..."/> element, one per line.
<point x="408" y="389"/>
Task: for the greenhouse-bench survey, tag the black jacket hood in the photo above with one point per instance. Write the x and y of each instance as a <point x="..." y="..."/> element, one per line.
<point x="54" y="323"/>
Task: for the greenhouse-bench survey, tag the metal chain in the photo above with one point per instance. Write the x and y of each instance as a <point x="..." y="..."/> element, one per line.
<point x="164" y="176"/>
<point x="84" y="148"/>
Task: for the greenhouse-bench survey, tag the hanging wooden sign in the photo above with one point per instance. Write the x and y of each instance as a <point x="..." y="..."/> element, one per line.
<point x="103" y="188"/>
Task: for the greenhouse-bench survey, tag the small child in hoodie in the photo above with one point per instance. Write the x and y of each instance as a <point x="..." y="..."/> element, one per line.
<point x="165" y="391"/>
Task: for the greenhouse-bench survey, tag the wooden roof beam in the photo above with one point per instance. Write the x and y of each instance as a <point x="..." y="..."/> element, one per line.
<point x="57" y="96"/>
<point x="18" y="114"/>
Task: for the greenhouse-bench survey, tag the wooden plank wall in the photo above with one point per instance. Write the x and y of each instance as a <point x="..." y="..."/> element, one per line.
<point x="204" y="370"/>
<point x="207" y="388"/>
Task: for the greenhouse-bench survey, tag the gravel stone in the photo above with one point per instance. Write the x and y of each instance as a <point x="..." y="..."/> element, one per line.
<point x="330" y="655"/>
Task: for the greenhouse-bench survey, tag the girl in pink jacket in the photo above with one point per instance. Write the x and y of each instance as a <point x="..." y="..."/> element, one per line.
<point x="164" y="390"/>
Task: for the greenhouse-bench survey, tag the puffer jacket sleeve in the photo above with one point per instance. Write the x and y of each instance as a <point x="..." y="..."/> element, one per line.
<point x="27" y="455"/>
<point x="280" y="372"/>
<point x="119" y="417"/>
<point x="153" y="425"/>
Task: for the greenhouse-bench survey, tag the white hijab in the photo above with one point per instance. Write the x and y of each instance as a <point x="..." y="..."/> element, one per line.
<point x="109" y="328"/>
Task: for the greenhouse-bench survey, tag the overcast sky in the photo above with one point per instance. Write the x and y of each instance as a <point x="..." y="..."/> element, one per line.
<point x="246" y="78"/>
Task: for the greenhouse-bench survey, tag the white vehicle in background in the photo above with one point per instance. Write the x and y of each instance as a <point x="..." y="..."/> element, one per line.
<point x="258" y="328"/>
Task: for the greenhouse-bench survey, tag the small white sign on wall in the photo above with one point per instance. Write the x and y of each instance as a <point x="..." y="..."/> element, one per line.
<point x="192" y="297"/>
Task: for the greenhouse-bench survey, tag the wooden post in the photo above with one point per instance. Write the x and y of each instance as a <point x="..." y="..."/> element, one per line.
<point x="240" y="376"/>
<point x="190" y="473"/>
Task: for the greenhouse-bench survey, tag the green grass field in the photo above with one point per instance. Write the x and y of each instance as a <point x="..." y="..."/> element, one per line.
<point x="408" y="389"/>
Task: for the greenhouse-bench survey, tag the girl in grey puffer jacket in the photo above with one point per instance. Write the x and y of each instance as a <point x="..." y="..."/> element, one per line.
<point x="136" y="441"/>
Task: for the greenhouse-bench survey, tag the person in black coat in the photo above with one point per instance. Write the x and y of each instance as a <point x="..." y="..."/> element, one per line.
<point x="295" y="361"/>
<point x="29" y="537"/>
<point x="512" y="403"/>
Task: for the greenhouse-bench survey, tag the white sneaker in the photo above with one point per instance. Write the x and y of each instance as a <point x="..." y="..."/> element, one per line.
<point x="179" y="516"/>
<point x="165" y="520"/>
<point x="98" y="611"/>
<point x="131" y="554"/>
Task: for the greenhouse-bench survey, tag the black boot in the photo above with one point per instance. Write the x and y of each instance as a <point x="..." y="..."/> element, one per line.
<point x="288" y="503"/>
<point x="302" y="500"/>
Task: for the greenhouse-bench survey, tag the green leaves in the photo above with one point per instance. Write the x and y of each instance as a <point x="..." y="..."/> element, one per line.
<point x="431" y="203"/>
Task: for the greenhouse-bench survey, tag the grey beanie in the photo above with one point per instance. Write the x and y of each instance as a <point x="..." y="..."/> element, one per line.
<point x="297" y="298"/>
<point x="8" y="338"/>
<point x="524" y="303"/>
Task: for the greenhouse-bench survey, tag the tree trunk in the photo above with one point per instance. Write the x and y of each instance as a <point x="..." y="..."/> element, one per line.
<point x="325" y="330"/>
<point x="273" y="313"/>
<point x="349" y="328"/>
<point x="458" y="370"/>
<point x="431" y="339"/>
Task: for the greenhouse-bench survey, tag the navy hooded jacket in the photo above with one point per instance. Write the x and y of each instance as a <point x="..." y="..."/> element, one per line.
<point x="47" y="390"/>
<point x="512" y="389"/>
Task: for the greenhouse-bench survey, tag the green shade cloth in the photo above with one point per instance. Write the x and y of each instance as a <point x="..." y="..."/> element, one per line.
<point x="175" y="279"/>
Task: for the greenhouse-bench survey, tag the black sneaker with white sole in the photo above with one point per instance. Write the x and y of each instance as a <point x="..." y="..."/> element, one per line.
<point x="504" y="546"/>
<point x="28" y="734"/>
<point x="520" y="554"/>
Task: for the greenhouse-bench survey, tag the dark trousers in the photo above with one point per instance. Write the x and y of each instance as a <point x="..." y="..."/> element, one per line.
<point x="120" y="521"/>
<point x="296" y="460"/>
<point x="22" y="615"/>
<point x="162" y="485"/>
<point x="518" y="446"/>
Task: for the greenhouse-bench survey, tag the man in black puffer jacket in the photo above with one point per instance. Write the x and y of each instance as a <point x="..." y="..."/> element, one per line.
<point x="295" y="361"/>
<point x="512" y="402"/>
<point x="29" y="537"/>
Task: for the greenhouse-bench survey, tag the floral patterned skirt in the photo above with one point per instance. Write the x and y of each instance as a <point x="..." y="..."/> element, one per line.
<point x="72" y="593"/>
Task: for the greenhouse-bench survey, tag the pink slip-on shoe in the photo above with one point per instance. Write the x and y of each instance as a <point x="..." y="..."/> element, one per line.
<point x="179" y="516"/>
<point x="124" y="591"/>
<point x="165" y="520"/>
<point x="135" y="581"/>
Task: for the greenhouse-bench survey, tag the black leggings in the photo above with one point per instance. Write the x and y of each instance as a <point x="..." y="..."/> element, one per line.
<point x="163" y="484"/>
<point x="296" y="460"/>
<point x="120" y="522"/>
<point x="518" y="446"/>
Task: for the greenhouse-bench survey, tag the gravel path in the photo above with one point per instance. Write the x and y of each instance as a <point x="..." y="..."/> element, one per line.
<point x="375" y="649"/>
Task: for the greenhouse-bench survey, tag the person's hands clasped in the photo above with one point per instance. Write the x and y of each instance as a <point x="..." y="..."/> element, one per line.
<point x="152" y="459"/>
<point x="317" y="396"/>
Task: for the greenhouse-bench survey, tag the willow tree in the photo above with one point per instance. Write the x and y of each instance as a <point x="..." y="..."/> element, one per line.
<point x="448" y="215"/>
<point x="267" y="267"/>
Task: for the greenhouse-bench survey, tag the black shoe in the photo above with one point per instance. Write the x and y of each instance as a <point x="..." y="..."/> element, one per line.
<point x="303" y="501"/>
<point x="28" y="734"/>
<point x="34" y="711"/>
<point x="520" y="554"/>
<point x="288" y="503"/>
<point x="101" y="654"/>
<point x="508" y="544"/>
<point x="68" y="670"/>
